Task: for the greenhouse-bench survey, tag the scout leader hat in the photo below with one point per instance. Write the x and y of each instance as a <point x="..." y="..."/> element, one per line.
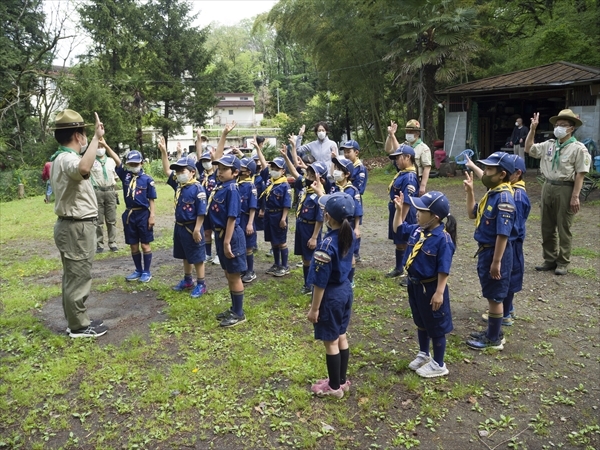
<point x="567" y="114"/>
<point x="350" y="144"/>
<point x="404" y="149"/>
<point x="229" y="161"/>
<point x="186" y="162"/>
<point x="435" y="202"/>
<point x="345" y="164"/>
<point x="340" y="205"/>
<point x="501" y="159"/>
<point x="413" y="125"/>
<point x="68" y="119"/>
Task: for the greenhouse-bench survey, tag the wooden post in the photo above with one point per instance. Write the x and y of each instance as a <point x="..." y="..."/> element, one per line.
<point x="21" y="191"/>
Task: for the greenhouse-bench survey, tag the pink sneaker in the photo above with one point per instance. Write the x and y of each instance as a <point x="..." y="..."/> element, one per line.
<point x="321" y="383"/>
<point x="324" y="391"/>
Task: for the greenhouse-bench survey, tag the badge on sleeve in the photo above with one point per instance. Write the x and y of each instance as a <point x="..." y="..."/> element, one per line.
<point x="508" y="207"/>
<point x="322" y="257"/>
<point x="202" y="195"/>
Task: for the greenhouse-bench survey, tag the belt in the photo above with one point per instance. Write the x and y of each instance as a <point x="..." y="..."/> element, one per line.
<point x="274" y="210"/>
<point x="183" y="224"/>
<point x="108" y="188"/>
<point x="561" y="183"/>
<point x="480" y="249"/>
<point x="220" y="230"/>
<point x="311" y="222"/>
<point x="420" y="280"/>
<point x="74" y="219"/>
<point x="130" y="211"/>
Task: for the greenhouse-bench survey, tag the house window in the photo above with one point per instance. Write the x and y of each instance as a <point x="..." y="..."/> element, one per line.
<point x="243" y="98"/>
<point x="231" y="112"/>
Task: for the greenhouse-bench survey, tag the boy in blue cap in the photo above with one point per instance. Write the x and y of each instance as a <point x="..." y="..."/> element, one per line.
<point x="208" y="179"/>
<point x="407" y="183"/>
<point x="249" y="196"/>
<point x="138" y="218"/>
<point x="190" y="211"/>
<point x="494" y="221"/>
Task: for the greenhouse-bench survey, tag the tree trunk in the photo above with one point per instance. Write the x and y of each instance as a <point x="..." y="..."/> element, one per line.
<point x="428" y="124"/>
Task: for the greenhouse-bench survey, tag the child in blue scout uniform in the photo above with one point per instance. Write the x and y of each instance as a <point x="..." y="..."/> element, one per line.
<point x="190" y="211"/>
<point x="342" y="172"/>
<point x="208" y="179"/>
<point x="224" y="205"/>
<point x="407" y="183"/>
<point x="260" y="184"/>
<point x="249" y="196"/>
<point x="359" y="178"/>
<point x="278" y="201"/>
<point x="494" y="221"/>
<point x="427" y="265"/>
<point x="138" y="218"/>
<point x="332" y="294"/>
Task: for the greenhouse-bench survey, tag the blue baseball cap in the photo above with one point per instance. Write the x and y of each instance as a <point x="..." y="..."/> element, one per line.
<point x="434" y="202"/>
<point x="499" y="159"/>
<point x="351" y="144"/>
<point x="319" y="168"/>
<point x="519" y="163"/>
<point x="229" y="161"/>
<point x="248" y="163"/>
<point x="339" y="205"/>
<point x="134" y="157"/>
<point x="404" y="149"/>
<point x="345" y="164"/>
<point x="205" y="156"/>
<point x="186" y="162"/>
<point x="279" y="162"/>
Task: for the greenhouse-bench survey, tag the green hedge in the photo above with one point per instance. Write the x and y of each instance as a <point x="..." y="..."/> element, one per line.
<point x="31" y="178"/>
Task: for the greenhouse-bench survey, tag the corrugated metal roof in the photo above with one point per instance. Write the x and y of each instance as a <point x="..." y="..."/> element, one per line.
<point x="556" y="74"/>
<point x="226" y="103"/>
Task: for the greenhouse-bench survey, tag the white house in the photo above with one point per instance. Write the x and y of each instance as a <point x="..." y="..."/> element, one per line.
<point x="235" y="106"/>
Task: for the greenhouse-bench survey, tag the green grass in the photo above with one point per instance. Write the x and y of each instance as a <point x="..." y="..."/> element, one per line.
<point x="585" y="252"/>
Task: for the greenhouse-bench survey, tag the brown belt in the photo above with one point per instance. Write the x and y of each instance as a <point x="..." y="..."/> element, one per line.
<point x="561" y="183"/>
<point x="74" y="219"/>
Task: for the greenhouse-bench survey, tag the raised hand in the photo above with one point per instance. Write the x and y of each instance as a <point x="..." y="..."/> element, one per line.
<point x="302" y="130"/>
<point x="399" y="201"/>
<point x="229" y="127"/>
<point x="468" y="182"/>
<point x="99" y="130"/>
<point x="392" y="128"/>
<point x="535" y="120"/>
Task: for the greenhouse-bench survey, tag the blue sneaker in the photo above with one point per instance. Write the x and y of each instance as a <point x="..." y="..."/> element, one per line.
<point x="134" y="276"/>
<point x="183" y="285"/>
<point x="146" y="276"/>
<point x="198" y="291"/>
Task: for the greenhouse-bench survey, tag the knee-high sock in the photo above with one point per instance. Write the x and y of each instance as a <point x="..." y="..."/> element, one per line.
<point x="137" y="260"/>
<point x="147" y="261"/>
<point x="494" y="325"/>
<point x="250" y="262"/>
<point x="277" y="256"/>
<point x="284" y="256"/>
<point x="237" y="302"/>
<point x="399" y="258"/>
<point x="439" y="349"/>
<point x="351" y="275"/>
<point x="357" y="247"/>
<point x="344" y="357"/>
<point x="333" y="370"/>
<point x="208" y="247"/>
<point x="423" y="341"/>
<point x="305" y="273"/>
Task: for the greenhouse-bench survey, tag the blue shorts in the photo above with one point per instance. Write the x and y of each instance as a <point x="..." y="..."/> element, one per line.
<point x="391" y="235"/>
<point x="237" y="264"/>
<point x="250" y="238"/>
<point x="137" y="230"/>
<point x="207" y="224"/>
<point x="495" y="290"/>
<point x="437" y="323"/>
<point x="273" y="232"/>
<point x="334" y="312"/>
<point x="518" y="267"/>
<point x="184" y="246"/>
<point x="259" y="222"/>
<point x="304" y="232"/>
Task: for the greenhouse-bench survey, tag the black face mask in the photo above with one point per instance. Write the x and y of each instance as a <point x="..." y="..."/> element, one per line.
<point x="488" y="182"/>
<point x="308" y="183"/>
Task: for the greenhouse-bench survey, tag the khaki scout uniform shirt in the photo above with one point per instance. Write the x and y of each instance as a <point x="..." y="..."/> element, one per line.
<point x="74" y="194"/>
<point x="422" y="157"/>
<point x="97" y="175"/>
<point x="574" y="158"/>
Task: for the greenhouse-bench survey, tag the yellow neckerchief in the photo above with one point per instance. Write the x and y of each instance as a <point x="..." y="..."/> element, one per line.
<point x="357" y="162"/>
<point x="181" y="186"/>
<point x="212" y="194"/>
<point x="132" y="184"/>
<point x="205" y="180"/>
<point x="503" y="187"/>
<point x="305" y="193"/>
<point x="62" y="149"/>
<point x="280" y="180"/>
<point x="246" y="180"/>
<point x="400" y="172"/>
<point x="416" y="248"/>
<point x="519" y="185"/>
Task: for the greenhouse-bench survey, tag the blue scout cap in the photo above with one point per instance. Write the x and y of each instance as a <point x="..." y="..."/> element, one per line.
<point x="134" y="157"/>
<point x="319" y="168"/>
<point x="434" y="202"/>
<point x="404" y="149"/>
<point x="339" y="205"/>
<point x="205" y="156"/>
<point x="186" y="162"/>
<point x="519" y="163"/>
<point x="501" y="159"/>
<point x="344" y="163"/>
<point x="248" y="163"/>
<point x="351" y="144"/>
<point x="229" y="161"/>
<point x="279" y="162"/>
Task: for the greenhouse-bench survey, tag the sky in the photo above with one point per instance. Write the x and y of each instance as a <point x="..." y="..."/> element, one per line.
<point x="224" y="12"/>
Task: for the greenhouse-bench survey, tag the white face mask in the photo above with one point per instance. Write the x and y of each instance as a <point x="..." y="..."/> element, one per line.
<point x="275" y="173"/>
<point x="560" y="132"/>
<point x="183" y="178"/>
<point x="409" y="137"/>
<point x="134" y="169"/>
<point x="338" y="175"/>
<point x="207" y="165"/>
<point x="204" y="145"/>
<point x="100" y="152"/>
<point x="517" y="124"/>
<point x="84" y="146"/>
<point x="321" y="135"/>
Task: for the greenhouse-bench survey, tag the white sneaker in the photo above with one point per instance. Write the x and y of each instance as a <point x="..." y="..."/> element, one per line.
<point x="421" y="359"/>
<point x="216" y="260"/>
<point x="432" y="370"/>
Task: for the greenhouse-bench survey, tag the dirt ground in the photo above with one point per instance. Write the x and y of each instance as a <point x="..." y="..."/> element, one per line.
<point x="568" y="304"/>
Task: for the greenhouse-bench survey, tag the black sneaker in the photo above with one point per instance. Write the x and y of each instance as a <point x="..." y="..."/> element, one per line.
<point x="114" y="248"/>
<point x="224" y="315"/>
<point x="89" y="332"/>
<point x="99" y="250"/>
<point x="357" y="258"/>
<point x="403" y="281"/>
<point x="281" y="271"/>
<point x="249" y="277"/>
<point x="306" y="290"/>
<point x="93" y="323"/>
<point x="233" y="320"/>
<point x="481" y="334"/>
<point x="394" y="273"/>
<point x="271" y="270"/>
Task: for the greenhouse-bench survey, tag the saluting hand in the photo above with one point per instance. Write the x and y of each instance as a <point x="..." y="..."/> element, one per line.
<point x="535" y="121"/>
<point x="161" y="145"/>
<point x="99" y="130"/>
<point x="399" y="201"/>
<point x="392" y="128"/>
<point x="468" y="182"/>
<point x="229" y="127"/>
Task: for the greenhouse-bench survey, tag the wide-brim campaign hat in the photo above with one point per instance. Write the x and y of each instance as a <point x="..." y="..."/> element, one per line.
<point x="413" y="125"/>
<point x="68" y="119"/>
<point x="567" y="114"/>
<point x="434" y="202"/>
